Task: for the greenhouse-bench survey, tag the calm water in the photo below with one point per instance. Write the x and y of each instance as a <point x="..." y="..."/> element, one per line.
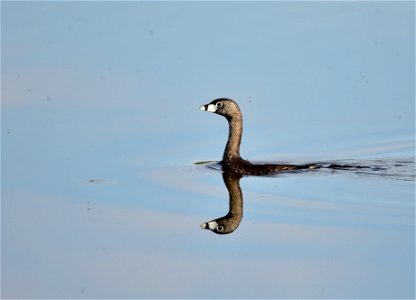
<point x="130" y="225"/>
<point x="101" y="133"/>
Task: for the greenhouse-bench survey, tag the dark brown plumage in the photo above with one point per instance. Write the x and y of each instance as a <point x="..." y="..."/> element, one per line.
<point x="232" y="219"/>
<point x="231" y="159"/>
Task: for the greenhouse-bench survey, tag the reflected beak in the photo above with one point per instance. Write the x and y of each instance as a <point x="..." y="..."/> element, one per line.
<point x="209" y="225"/>
<point x="208" y="107"/>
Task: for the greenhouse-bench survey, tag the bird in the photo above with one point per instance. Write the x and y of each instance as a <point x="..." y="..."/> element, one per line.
<point x="231" y="159"/>
<point x="232" y="219"/>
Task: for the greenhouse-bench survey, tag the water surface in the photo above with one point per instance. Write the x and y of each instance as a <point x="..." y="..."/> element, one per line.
<point x="101" y="196"/>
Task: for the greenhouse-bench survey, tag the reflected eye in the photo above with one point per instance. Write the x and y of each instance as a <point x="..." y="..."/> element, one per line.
<point x="218" y="104"/>
<point x="220" y="228"/>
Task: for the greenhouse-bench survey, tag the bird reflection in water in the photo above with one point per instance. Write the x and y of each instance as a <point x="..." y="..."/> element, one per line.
<point x="232" y="219"/>
<point x="234" y="167"/>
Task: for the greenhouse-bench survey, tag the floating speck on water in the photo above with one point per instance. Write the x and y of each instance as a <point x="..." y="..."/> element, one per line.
<point x="96" y="181"/>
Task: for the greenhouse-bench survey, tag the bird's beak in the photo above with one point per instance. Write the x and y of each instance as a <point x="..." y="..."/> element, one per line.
<point x="209" y="107"/>
<point x="209" y="225"/>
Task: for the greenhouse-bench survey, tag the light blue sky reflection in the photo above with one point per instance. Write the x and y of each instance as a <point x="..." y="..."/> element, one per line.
<point x="100" y="129"/>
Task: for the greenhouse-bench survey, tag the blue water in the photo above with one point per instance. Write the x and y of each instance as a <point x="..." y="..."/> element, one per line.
<point x="101" y="196"/>
<point x="100" y="221"/>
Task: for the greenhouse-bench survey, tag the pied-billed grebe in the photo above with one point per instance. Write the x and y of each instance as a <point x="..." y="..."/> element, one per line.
<point x="232" y="219"/>
<point x="231" y="159"/>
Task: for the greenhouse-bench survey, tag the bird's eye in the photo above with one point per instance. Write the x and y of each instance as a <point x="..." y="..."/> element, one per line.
<point x="220" y="228"/>
<point x="218" y="104"/>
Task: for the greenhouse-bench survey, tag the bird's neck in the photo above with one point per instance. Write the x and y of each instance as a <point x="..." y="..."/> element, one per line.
<point x="232" y="182"/>
<point x="232" y="149"/>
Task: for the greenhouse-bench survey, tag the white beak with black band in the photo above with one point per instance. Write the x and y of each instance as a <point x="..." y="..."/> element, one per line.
<point x="209" y="107"/>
